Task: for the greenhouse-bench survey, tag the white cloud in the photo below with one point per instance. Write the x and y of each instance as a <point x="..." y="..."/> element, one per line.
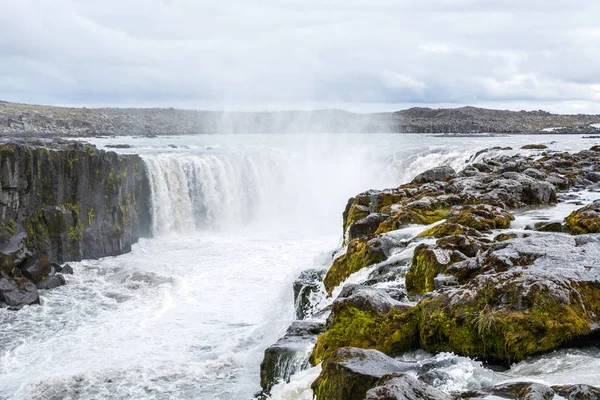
<point x="250" y="52"/>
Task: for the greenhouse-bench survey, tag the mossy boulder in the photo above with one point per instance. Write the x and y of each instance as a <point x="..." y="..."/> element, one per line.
<point x="360" y="253"/>
<point x="534" y="147"/>
<point x="584" y="220"/>
<point x="447" y="229"/>
<point x="533" y="294"/>
<point x="368" y="319"/>
<point x="482" y="217"/>
<point x="553" y="226"/>
<point x="431" y="260"/>
<point x="505" y="317"/>
<point x="350" y="372"/>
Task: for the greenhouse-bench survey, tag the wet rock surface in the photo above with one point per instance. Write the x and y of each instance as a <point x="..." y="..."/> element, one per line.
<point x="350" y="372"/>
<point x="64" y="201"/>
<point x="404" y="387"/>
<point x="289" y="354"/>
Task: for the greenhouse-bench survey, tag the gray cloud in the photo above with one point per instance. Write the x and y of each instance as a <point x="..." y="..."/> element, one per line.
<point x="515" y="54"/>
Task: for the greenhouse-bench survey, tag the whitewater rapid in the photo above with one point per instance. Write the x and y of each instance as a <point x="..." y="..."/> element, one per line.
<point x="188" y="313"/>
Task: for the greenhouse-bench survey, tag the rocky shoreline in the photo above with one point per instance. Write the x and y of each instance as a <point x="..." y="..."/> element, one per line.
<point x="64" y="201"/>
<point x="47" y="121"/>
<point x="442" y="270"/>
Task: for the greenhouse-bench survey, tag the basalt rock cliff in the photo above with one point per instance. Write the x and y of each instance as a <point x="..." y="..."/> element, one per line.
<point x="64" y="201"/>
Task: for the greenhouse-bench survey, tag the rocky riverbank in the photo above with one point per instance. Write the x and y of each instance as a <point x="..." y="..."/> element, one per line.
<point x="441" y="268"/>
<point x="64" y="201"/>
<point x="34" y="120"/>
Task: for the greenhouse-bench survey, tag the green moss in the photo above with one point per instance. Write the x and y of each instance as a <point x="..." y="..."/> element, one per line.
<point x="428" y="217"/>
<point x="482" y="217"/>
<point x="90" y="215"/>
<point x="424" y="268"/>
<point x="10" y="227"/>
<point x="447" y="229"/>
<point x="355" y="213"/>
<point x="361" y="253"/>
<point x="477" y="326"/>
<point x="339" y="383"/>
<point x="393" y="332"/>
<point x="584" y="220"/>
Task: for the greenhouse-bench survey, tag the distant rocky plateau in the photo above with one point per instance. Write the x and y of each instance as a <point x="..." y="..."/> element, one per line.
<point x="34" y="120"/>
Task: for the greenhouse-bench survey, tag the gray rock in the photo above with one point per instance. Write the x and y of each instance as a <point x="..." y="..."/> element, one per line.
<point x="593" y="176"/>
<point x="67" y="269"/>
<point x="51" y="282"/>
<point x="290" y="354"/>
<point x="17" y="294"/>
<point x="578" y="392"/>
<point x="444" y="281"/>
<point x="366" y="226"/>
<point x="435" y="174"/>
<point x="404" y="387"/>
<point x="37" y="268"/>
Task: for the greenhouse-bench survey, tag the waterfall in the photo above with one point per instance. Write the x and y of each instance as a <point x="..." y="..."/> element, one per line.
<point x="274" y="188"/>
<point x="211" y="191"/>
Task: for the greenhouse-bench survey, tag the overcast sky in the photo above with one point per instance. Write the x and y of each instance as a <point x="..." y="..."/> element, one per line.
<point x="357" y="54"/>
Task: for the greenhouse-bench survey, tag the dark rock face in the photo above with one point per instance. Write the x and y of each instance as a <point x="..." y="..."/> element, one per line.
<point x="62" y="201"/>
<point x="69" y="201"/>
<point x="18" y="293"/>
<point x="435" y="174"/>
<point x="289" y="354"/>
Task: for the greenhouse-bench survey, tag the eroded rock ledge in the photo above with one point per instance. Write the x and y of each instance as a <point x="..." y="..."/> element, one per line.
<point x="471" y="285"/>
<point x="64" y="201"/>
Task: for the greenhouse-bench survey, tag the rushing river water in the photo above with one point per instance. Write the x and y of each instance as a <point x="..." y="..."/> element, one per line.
<point x="188" y="313"/>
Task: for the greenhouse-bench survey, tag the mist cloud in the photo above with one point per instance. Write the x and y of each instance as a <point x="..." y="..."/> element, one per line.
<point x="241" y="52"/>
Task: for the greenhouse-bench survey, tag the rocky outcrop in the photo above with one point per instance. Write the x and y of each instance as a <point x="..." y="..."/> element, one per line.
<point x="62" y="201"/>
<point x="474" y="287"/>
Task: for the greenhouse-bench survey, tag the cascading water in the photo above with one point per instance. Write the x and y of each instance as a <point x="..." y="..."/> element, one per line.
<point x="188" y="313"/>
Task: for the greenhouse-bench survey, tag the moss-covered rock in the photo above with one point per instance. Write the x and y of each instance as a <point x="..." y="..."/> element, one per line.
<point x="482" y="217"/>
<point x="534" y="147"/>
<point x="350" y="372"/>
<point x="584" y="220"/>
<point x="447" y="229"/>
<point x="505" y="317"/>
<point x="368" y="319"/>
<point x="431" y="260"/>
<point x="548" y="226"/>
<point x="360" y="253"/>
